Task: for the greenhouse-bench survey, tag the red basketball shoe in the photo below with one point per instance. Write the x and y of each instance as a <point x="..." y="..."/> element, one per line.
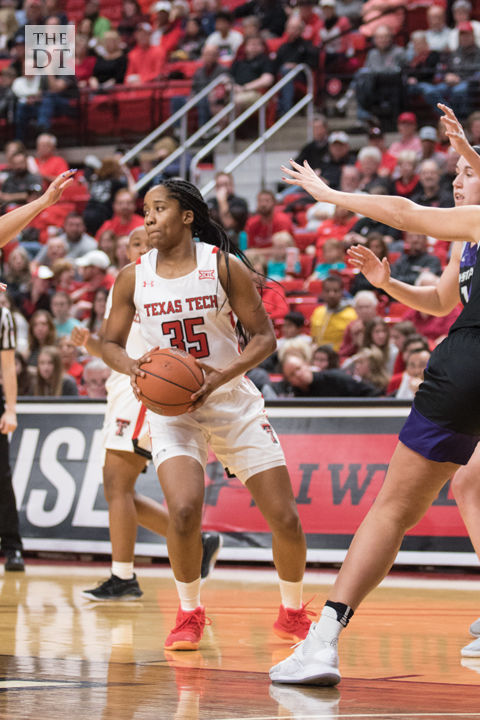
<point x="188" y="631"/>
<point x="293" y="625"/>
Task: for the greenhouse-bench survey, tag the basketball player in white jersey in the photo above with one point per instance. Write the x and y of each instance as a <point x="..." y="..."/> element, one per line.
<point x="189" y="295"/>
<point x="127" y="451"/>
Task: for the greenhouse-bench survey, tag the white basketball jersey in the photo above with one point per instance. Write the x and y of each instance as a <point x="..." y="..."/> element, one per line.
<point x="191" y="313"/>
<point x="135" y="348"/>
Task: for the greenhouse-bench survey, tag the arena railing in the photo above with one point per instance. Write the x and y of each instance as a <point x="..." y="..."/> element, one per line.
<point x="181" y="116"/>
<point x="264" y="134"/>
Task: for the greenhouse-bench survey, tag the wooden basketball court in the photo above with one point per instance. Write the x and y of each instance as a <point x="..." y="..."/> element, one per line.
<point x="63" y="657"/>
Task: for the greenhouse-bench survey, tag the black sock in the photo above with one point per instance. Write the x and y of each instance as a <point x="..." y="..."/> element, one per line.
<point x="344" y="612"/>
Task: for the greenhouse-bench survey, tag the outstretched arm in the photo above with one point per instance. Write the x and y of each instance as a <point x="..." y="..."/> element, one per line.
<point x="458" y="140"/>
<point x="459" y="223"/>
<point x="13" y="222"/>
<point x="435" y="300"/>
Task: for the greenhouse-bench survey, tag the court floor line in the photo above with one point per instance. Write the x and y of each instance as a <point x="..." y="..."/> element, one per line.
<point x="328" y="716"/>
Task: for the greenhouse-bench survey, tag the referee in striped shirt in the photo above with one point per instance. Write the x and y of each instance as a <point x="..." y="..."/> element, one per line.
<point x="11" y="542"/>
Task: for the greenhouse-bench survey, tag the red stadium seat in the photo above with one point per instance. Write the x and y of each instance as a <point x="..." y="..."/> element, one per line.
<point x="291" y="286"/>
<point x="315" y="287"/>
<point x="304" y="239"/>
<point x="305" y="304"/>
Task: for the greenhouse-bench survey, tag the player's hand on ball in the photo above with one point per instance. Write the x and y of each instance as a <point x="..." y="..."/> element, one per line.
<point x="136" y="371"/>
<point x="212" y="379"/>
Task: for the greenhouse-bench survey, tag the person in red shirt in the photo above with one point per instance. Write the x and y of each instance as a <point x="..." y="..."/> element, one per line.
<point x="335" y="227"/>
<point x="45" y="162"/>
<point x="267" y="221"/>
<point x="145" y="63"/>
<point x="124" y="218"/>
<point x="311" y="18"/>
<point x="93" y="266"/>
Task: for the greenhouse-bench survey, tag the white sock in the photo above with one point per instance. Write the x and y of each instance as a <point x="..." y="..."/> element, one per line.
<point x="189" y="594"/>
<point x="291" y="594"/>
<point x="328" y="627"/>
<point x="124" y="571"/>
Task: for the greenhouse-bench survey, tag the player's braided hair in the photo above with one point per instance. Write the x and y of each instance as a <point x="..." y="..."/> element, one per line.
<point x="204" y="227"/>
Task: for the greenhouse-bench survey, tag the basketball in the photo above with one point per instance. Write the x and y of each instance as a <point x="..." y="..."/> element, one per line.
<point x="170" y="379"/>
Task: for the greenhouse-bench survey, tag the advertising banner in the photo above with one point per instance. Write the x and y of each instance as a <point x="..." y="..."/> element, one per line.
<point x="337" y="455"/>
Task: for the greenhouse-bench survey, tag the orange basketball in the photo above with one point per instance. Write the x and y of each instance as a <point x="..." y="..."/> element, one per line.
<point x="170" y="379"/>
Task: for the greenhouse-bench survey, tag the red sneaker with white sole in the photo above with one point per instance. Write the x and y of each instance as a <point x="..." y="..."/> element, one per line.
<point x="188" y="631"/>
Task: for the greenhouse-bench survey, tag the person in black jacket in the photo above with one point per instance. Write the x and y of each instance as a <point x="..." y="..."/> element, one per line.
<point x="305" y="381"/>
<point x="270" y="13"/>
<point x="292" y="52"/>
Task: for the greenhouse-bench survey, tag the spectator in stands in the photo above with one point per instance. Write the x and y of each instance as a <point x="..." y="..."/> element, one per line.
<point x="338" y="226"/>
<point x="59" y="98"/>
<point x="423" y="65"/>
<point x="32" y="14"/>
<point x="438" y="32"/>
<point x="64" y="276"/>
<point x="375" y="241"/>
<point x="107" y="242"/>
<point x="55" y="249"/>
<point x="267" y="221"/>
<point x="364" y="226"/>
<point x="93" y="266"/>
<point x="308" y="382"/>
<point x="312" y="20"/>
<point x="131" y="17"/>
<point x="376" y="138"/>
<point x="167" y="25"/>
<point x="332" y="259"/>
<point x="315" y="151"/>
<point x="461" y="69"/>
<point x="293" y="51"/>
<point x="252" y="75"/>
<point x="111" y="66"/>
<point x="412" y="343"/>
<point x="41" y="332"/>
<point x="335" y="38"/>
<point x="369" y="159"/>
<point x="409" y="140"/>
<point x="36" y="295"/>
<point x="270" y="13"/>
<point x="414" y="260"/>
<point x="413" y="375"/>
<point x="61" y="304"/>
<point x="24" y="376"/>
<point x="227" y="207"/>
<point x="16" y="272"/>
<point x="407" y="182"/>
<point x="377" y="334"/>
<point x="283" y="262"/>
<point x="324" y="357"/>
<point x="47" y="163"/>
<point x="429" y="191"/>
<point x="69" y="357"/>
<point x="208" y="71"/>
<point x="95" y="375"/>
<point x="473" y="128"/>
<point x="107" y="181"/>
<point x="429" y="139"/>
<point x="365" y="304"/>
<point x="84" y="61"/>
<point x="145" y="61"/>
<point x="124" y="218"/>
<point x="19" y="182"/>
<point x="383" y="67"/>
<point x="121" y="252"/>
<point x="7" y="96"/>
<point x="192" y="41"/>
<point x="293" y="327"/>
<point x="368" y="365"/>
<point x="399" y="333"/>
<point x="339" y="154"/>
<point x="50" y="379"/>
<point x="432" y="327"/>
<point x="74" y="237"/>
<point x="8" y="28"/>
<point x="272" y="293"/>
<point x="462" y="11"/>
<point x="330" y="319"/>
<point x="100" y="24"/>
<point x="225" y="38"/>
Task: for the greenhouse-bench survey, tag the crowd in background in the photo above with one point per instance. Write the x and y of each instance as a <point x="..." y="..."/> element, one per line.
<point x="337" y="335"/>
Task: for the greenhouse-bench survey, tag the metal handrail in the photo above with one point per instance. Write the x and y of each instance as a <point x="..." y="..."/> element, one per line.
<point x="179" y="115"/>
<point x="184" y="146"/>
<point x="260" y="104"/>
